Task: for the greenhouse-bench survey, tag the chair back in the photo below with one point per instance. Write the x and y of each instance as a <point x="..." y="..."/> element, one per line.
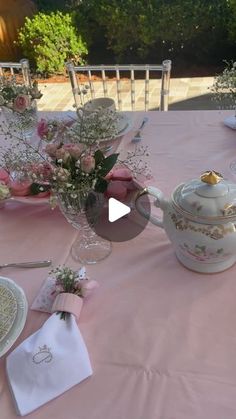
<point x="132" y="91"/>
<point x="14" y="68"/>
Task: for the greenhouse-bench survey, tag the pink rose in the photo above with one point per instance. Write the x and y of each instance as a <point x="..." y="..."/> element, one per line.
<point x="87" y="164"/>
<point x="74" y="150"/>
<point x="42" y="128"/>
<point x="51" y="150"/>
<point x="21" y="103"/>
<point x="62" y="154"/>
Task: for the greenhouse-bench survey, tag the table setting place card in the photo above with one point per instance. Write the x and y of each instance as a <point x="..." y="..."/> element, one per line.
<point x="55" y="357"/>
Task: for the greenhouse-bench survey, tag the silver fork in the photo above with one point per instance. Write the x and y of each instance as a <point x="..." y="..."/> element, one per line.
<point x="137" y="137"/>
<point x="37" y="264"/>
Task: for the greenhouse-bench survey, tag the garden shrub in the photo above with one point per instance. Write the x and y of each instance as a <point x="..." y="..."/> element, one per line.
<point x="232" y="20"/>
<point x="49" y="40"/>
<point x="50" y="5"/>
<point x="168" y="28"/>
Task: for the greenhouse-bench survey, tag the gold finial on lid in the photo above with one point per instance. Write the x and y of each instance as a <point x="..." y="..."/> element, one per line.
<point x="211" y="177"/>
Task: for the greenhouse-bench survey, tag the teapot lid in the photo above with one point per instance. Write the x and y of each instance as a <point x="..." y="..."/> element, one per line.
<point x="210" y="196"/>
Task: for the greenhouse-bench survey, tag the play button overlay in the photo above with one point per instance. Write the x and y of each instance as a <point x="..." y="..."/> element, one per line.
<point x="117" y="219"/>
<point x="116" y="210"/>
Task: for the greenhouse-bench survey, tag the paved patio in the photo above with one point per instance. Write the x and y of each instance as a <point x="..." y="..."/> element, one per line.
<point x="185" y="93"/>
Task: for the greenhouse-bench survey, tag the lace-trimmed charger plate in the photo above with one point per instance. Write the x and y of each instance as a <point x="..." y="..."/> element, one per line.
<point x="13" y="312"/>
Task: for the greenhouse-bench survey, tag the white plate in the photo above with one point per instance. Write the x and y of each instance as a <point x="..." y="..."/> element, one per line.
<point x="125" y="124"/>
<point x="20" y="308"/>
<point x="230" y="122"/>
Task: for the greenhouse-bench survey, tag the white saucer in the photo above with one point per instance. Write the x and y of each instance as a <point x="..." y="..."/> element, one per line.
<point x="123" y="122"/>
<point x="15" y="304"/>
<point x="230" y="122"/>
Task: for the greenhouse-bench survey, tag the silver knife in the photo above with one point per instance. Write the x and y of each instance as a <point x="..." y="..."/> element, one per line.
<point x="37" y="264"/>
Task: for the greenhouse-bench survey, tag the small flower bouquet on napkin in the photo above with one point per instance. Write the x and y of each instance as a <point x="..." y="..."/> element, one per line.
<point x="54" y="358"/>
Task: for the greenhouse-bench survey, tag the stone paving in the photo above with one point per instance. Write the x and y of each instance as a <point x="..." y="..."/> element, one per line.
<point x="185" y="93"/>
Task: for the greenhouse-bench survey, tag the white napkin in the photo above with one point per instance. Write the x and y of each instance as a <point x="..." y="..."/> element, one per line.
<point x="47" y="364"/>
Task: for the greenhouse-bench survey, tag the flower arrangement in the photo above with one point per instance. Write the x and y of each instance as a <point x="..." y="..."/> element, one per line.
<point x="70" y="281"/>
<point x="66" y="161"/>
<point x="89" y="129"/>
<point x="73" y="169"/>
<point x="78" y="174"/>
<point x="18" y="97"/>
<point x="224" y="87"/>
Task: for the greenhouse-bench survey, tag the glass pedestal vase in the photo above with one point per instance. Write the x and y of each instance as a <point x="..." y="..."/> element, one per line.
<point x="24" y="123"/>
<point x="83" y="213"/>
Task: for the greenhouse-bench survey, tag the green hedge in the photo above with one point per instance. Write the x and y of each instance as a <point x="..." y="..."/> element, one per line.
<point x="49" y="40"/>
<point x="51" y="5"/>
<point x="188" y="31"/>
<point x="140" y="29"/>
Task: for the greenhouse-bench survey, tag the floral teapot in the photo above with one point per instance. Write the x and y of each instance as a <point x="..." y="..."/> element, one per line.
<point x="200" y="221"/>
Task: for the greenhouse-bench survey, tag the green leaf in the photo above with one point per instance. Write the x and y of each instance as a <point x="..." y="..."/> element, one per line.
<point x="99" y="157"/>
<point x="36" y="188"/>
<point x="101" y="185"/>
<point x="107" y="164"/>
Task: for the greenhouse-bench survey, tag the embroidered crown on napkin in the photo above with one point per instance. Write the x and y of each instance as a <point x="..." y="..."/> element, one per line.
<point x="54" y="358"/>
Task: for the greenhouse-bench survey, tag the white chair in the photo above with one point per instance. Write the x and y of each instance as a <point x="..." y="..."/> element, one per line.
<point x="22" y="66"/>
<point x="121" y="87"/>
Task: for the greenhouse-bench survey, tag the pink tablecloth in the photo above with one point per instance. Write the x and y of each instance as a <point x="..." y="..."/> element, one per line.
<point x="162" y="339"/>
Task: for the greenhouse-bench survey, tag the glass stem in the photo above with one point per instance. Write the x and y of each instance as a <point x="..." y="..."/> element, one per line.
<point x="87" y="232"/>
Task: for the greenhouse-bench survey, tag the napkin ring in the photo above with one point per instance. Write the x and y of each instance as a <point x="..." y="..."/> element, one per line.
<point x="70" y="303"/>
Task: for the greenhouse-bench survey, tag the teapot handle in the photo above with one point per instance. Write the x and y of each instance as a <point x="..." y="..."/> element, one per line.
<point x="159" y="203"/>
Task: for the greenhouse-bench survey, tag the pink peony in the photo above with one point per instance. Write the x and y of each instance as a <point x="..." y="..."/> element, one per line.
<point x="51" y="150"/>
<point x="42" y="128"/>
<point x="88" y="164"/>
<point x="21" y="103"/>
